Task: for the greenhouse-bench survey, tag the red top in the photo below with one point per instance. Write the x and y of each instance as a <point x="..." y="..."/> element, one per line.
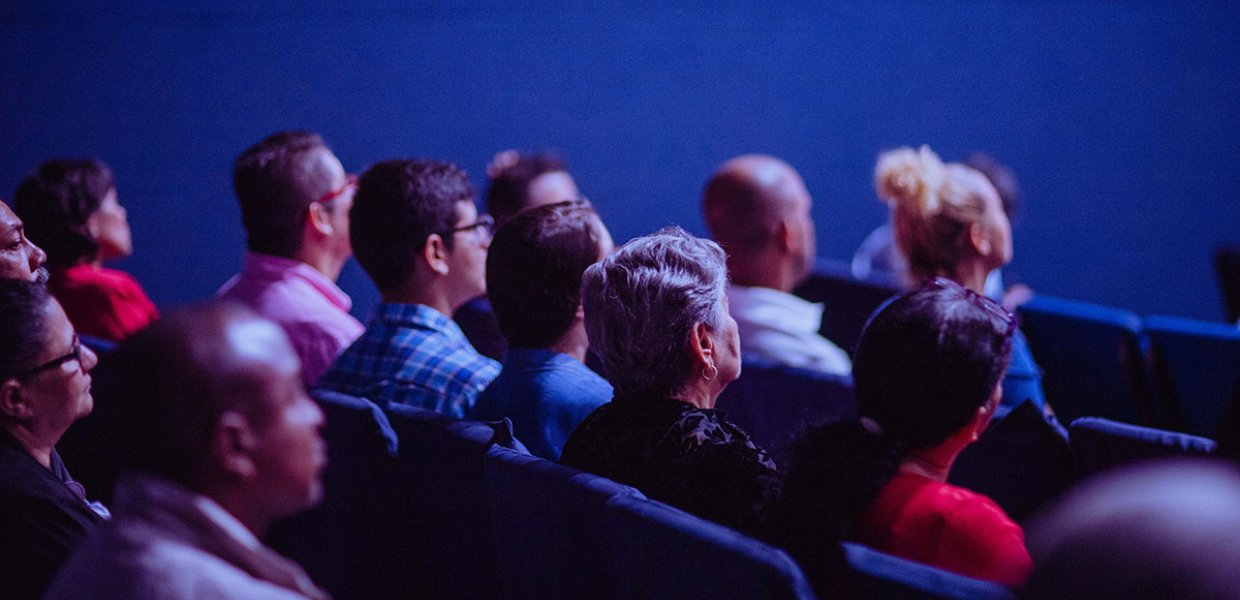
<point x="103" y="303"/>
<point x="947" y="527"/>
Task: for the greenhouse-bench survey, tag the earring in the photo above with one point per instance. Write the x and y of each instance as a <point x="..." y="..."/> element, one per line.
<point x="710" y="372"/>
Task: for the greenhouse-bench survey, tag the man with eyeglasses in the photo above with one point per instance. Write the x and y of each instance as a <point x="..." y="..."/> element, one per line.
<point x="417" y="233"/>
<point x="295" y="198"/>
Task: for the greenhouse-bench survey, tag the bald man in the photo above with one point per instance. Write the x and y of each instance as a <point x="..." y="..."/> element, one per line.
<point x="758" y="209"/>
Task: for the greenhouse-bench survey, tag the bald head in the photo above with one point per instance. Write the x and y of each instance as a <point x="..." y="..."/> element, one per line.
<point x="758" y="209"/>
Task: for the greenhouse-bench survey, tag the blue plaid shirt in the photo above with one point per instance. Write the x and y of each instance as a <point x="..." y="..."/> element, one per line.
<point x="412" y="354"/>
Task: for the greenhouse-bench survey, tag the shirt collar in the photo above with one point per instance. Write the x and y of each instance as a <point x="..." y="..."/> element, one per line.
<point x="419" y="316"/>
<point x="267" y="266"/>
<point x="770" y="305"/>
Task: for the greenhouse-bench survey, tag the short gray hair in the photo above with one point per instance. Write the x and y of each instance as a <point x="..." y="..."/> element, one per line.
<point x="642" y="303"/>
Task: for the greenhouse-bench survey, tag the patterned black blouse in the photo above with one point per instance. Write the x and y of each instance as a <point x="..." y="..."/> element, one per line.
<point x="688" y="457"/>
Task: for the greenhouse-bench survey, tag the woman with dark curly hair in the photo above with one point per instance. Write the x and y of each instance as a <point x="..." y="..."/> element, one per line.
<point x="928" y="373"/>
<point x="70" y="208"/>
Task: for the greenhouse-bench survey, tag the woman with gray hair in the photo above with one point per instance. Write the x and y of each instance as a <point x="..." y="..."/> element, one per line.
<point x="657" y="318"/>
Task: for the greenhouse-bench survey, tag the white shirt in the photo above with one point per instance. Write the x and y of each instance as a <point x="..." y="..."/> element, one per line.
<point x="782" y="328"/>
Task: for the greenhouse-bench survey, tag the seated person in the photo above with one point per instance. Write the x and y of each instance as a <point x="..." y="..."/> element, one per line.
<point x="71" y="208"/>
<point x="20" y="258"/>
<point x="949" y="222"/>
<point x="534" y="269"/>
<point x="44" y="388"/>
<point x="758" y="209"/>
<point x="223" y="441"/>
<point x="927" y="372"/>
<point x="416" y="232"/>
<point x="657" y="317"/>
<point x="518" y="181"/>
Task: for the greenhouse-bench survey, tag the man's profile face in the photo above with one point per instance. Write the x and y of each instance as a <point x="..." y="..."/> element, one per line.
<point x="337" y="196"/>
<point x="801" y="220"/>
<point x="19" y="257"/>
<point x="467" y="261"/>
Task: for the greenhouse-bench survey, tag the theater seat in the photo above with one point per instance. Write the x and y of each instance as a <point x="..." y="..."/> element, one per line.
<point x="547" y="519"/>
<point x="774" y="403"/>
<point x="359" y="542"/>
<point x="848" y="302"/>
<point x="880" y="575"/>
<point x="1227" y="267"/>
<point x="1091" y="357"/>
<point x="1196" y="366"/>
<point x="658" y="551"/>
<point x="1099" y="444"/>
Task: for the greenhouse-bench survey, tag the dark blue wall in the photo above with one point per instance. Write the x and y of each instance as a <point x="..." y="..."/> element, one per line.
<point x="1122" y="119"/>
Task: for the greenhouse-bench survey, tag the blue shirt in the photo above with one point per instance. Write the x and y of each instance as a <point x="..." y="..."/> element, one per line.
<point x="412" y="354"/>
<point x="1023" y="380"/>
<point x="546" y="394"/>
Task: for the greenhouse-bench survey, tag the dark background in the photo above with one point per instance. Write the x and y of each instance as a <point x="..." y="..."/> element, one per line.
<point x="1121" y="118"/>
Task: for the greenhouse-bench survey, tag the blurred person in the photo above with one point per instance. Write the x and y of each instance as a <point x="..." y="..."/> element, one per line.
<point x="295" y="198"/>
<point x="20" y="258"/>
<point x="418" y="235"/>
<point x="657" y="317"/>
<point x="534" y="269"/>
<point x="758" y="210"/>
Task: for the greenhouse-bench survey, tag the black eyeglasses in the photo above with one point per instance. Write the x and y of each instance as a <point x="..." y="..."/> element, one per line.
<point x="484" y="227"/>
<point x="75" y="353"/>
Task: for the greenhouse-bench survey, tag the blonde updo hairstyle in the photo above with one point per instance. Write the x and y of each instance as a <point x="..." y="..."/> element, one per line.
<point x="931" y="210"/>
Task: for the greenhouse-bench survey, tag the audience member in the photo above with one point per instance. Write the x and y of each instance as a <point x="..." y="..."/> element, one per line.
<point x="657" y="317"/>
<point x="418" y="235"/>
<point x="71" y="208"/>
<point x="1159" y="530"/>
<point x="222" y="441"/>
<point x="758" y="209"/>
<point x="518" y="181"/>
<point x="927" y="372"/>
<point x="948" y="222"/>
<point x="295" y="199"/>
<point x="20" y="258"/>
<point x="45" y="387"/>
<point x="534" y="269"/>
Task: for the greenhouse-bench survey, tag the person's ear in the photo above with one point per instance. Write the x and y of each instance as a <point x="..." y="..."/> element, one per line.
<point x="12" y="401"/>
<point x="703" y="344"/>
<point x="435" y="253"/>
<point x="92" y="225"/>
<point x="318" y="219"/>
<point x="784" y="235"/>
<point x="986" y="412"/>
<point x="979" y="238"/>
<point x="232" y="445"/>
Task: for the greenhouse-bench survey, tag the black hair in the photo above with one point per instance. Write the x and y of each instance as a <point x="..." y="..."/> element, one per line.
<point x="534" y="269"/>
<point x="509" y="193"/>
<point x="398" y="205"/>
<point x="275" y="185"/>
<point x="23" y="325"/>
<point x="55" y="202"/>
<point x="925" y="363"/>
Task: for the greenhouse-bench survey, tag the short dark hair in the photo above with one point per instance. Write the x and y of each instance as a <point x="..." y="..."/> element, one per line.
<point x="398" y="205"/>
<point x="509" y="193"/>
<point x="534" y="269"/>
<point x="275" y="187"/>
<point x="55" y="202"/>
<point x="23" y="326"/>
<point x="179" y="376"/>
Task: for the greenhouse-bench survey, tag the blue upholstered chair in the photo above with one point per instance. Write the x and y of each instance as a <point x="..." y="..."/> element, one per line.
<point x="1092" y="359"/>
<point x="1099" y="444"/>
<point x="1227" y="267"/>
<point x="546" y="519"/>
<point x="658" y="551"/>
<point x="848" y="302"/>
<point x="879" y="575"/>
<point x="359" y="542"/>
<point x="774" y="403"/>
<point x="1196" y="366"/>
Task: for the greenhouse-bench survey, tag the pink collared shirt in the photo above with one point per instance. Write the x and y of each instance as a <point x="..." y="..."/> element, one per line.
<point x="308" y="305"/>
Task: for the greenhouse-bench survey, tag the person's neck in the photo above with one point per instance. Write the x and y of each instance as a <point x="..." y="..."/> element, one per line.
<point x="574" y="342"/>
<point x="241" y="505"/>
<point x="700" y="393"/>
<point x="322" y="261"/>
<point x="971" y="274"/>
<point x="36" y="445"/>
<point x="426" y="294"/>
<point x="936" y="463"/>
<point x="763" y="271"/>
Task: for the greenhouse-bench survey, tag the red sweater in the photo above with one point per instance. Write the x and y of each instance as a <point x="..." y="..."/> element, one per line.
<point x="103" y="303"/>
<point x="945" y="526"/>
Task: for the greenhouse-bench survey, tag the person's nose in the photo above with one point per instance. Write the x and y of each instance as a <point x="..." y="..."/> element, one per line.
<point x="37" y="256"/>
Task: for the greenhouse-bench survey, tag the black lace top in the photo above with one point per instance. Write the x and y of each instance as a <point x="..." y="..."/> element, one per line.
<point x="688" y="457"/>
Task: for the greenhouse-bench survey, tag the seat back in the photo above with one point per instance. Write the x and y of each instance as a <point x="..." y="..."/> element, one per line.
<point x="774" y="403"/>
<point x="441" y="462"/>
<point x="1099" y="444"/>
<point x="1091" y="357"/>
<point x="880" y="575"/>
<point x="847" y="301"/>
<point x="1196" y="365"/>
<point x="547" y="519"/>
<point x="359" y="542"/>
<point x="658" y="551"/>
<point x="1227" y="266"/>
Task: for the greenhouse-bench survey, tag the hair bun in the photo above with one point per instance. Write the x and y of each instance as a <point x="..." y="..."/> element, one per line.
<point x="910" y="179"/>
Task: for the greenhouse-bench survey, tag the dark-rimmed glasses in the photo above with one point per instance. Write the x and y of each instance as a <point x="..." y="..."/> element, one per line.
<point x="483" y="228"/>
<point x="75" y="353"/>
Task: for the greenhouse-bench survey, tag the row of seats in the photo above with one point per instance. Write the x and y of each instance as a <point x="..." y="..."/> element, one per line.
<point x="421" y="505"/>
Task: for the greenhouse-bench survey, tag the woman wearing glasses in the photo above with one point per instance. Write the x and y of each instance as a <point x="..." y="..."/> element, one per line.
<point x="44" y="388"/>
<point x="927" y="373"/>
<point x="949" y="222"/>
